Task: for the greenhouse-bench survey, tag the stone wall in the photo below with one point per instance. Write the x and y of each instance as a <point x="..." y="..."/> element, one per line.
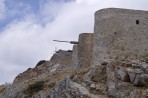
<point x="120" y="32"/>
<point x="85" y="49"/>
<point x="75" y="56"/>
<point x="62" y="57"/>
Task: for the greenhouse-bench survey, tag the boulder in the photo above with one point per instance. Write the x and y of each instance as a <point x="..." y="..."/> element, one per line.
<point x="135" y="94"/>
<point x="144" y="79"/>
<point x="135" y="76"/>
<point x="122" y="74"/>
<point x="144" y="67"/>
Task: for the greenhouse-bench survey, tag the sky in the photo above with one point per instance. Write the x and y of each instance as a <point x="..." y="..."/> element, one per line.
<point x="27" y="28"/>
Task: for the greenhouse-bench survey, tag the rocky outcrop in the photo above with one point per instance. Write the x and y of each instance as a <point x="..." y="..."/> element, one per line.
<point x="58" y="61"/>
<point x="124" y="80"/>
<point x="114" y="79"/>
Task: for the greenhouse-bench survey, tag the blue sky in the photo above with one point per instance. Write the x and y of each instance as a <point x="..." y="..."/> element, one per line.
<point x="27" y="28"/>
<point x="17" y="9"/>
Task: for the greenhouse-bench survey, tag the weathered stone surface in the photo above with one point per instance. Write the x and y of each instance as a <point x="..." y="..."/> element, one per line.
<point x="136" y="66"/>
<point x="144" y="67"/>
<point x="135" y="94"/>
<point x="118" y="87"/>
<point x="62" y="58"/>
<point x="134" y="75"/>
<point x="85" y="49"/>
<point x="144" y="79"/>
<point x="101" y="87"/>
<point x="75" y="56"/>
<point x="111" y="79"/>
<point x="93" y="86"/>
<point x="116" y="34"/>
<point x="122" y="74"/>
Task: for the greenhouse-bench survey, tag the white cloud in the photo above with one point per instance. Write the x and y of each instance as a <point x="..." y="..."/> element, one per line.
<point x="50" y="10"/>
<point x="87" y="1"/>
<point x="24" y="42"/>
<point x="2" y="9"/>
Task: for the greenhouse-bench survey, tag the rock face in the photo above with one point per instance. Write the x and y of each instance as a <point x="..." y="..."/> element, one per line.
<point x="123" y="81"/>
<point x="112" y="62"/>
<point x="59" y="60"/>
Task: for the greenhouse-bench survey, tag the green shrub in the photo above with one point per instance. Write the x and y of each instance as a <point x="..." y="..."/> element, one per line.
<point x="35" y="87"/>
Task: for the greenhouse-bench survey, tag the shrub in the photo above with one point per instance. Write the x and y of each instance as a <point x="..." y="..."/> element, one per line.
<point x="35" y="87"/>
<point x="40" y="62"/>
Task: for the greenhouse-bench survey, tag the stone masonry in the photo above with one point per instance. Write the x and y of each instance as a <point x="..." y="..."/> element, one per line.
<point x="75" y="56"/>
<point x="120" y="32"/>
<point x="85" y="49"/>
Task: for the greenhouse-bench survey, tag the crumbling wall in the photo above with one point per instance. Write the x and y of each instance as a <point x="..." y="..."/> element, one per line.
<point x="85" y="49"/>
<point x="120" y="32"/>
<point x="75" y="56"/>
<point x="62" y="57"/>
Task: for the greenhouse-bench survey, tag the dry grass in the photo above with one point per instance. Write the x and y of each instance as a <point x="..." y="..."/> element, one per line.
<point x="79" y="73"/>
<point x="49" y="85"/>
<point x="35" y="85"/>
<point x="2" y="88"/>
<point x="98" y="78"/>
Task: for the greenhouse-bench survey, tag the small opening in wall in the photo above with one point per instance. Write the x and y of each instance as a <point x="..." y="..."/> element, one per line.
<point x="137" y="21"/>
<point x="115" y="32"/>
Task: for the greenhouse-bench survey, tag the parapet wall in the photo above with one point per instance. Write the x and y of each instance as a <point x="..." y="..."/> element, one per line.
<point x="119" y="32"/>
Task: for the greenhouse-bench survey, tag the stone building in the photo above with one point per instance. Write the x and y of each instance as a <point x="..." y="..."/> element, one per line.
<point x="120" y="32"/>
<point x="75" y="56"/>
<point x="83" y="51"/>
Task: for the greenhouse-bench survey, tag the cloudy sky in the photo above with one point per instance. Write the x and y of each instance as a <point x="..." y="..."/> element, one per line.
<point x="27" y="28"/>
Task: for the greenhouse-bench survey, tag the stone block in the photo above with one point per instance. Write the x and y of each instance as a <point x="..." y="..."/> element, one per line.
<point x="122" y="74"/>
<point x="144" y="67"/>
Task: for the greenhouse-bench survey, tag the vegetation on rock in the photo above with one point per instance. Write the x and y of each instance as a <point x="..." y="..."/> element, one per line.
<point x="35" y="87"/>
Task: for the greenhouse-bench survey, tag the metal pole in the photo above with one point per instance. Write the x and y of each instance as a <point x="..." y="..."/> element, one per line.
<point x="61" y="41"/>
<point x="71" y="42"/>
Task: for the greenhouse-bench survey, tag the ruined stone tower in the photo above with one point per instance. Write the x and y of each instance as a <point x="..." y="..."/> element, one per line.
<point x="120" y="32"/>
<point x="82" y="52"/>
<point x="85" y="49"/>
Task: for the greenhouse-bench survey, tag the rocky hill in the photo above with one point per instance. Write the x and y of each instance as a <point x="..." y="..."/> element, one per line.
<point x="112" y="62"/>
